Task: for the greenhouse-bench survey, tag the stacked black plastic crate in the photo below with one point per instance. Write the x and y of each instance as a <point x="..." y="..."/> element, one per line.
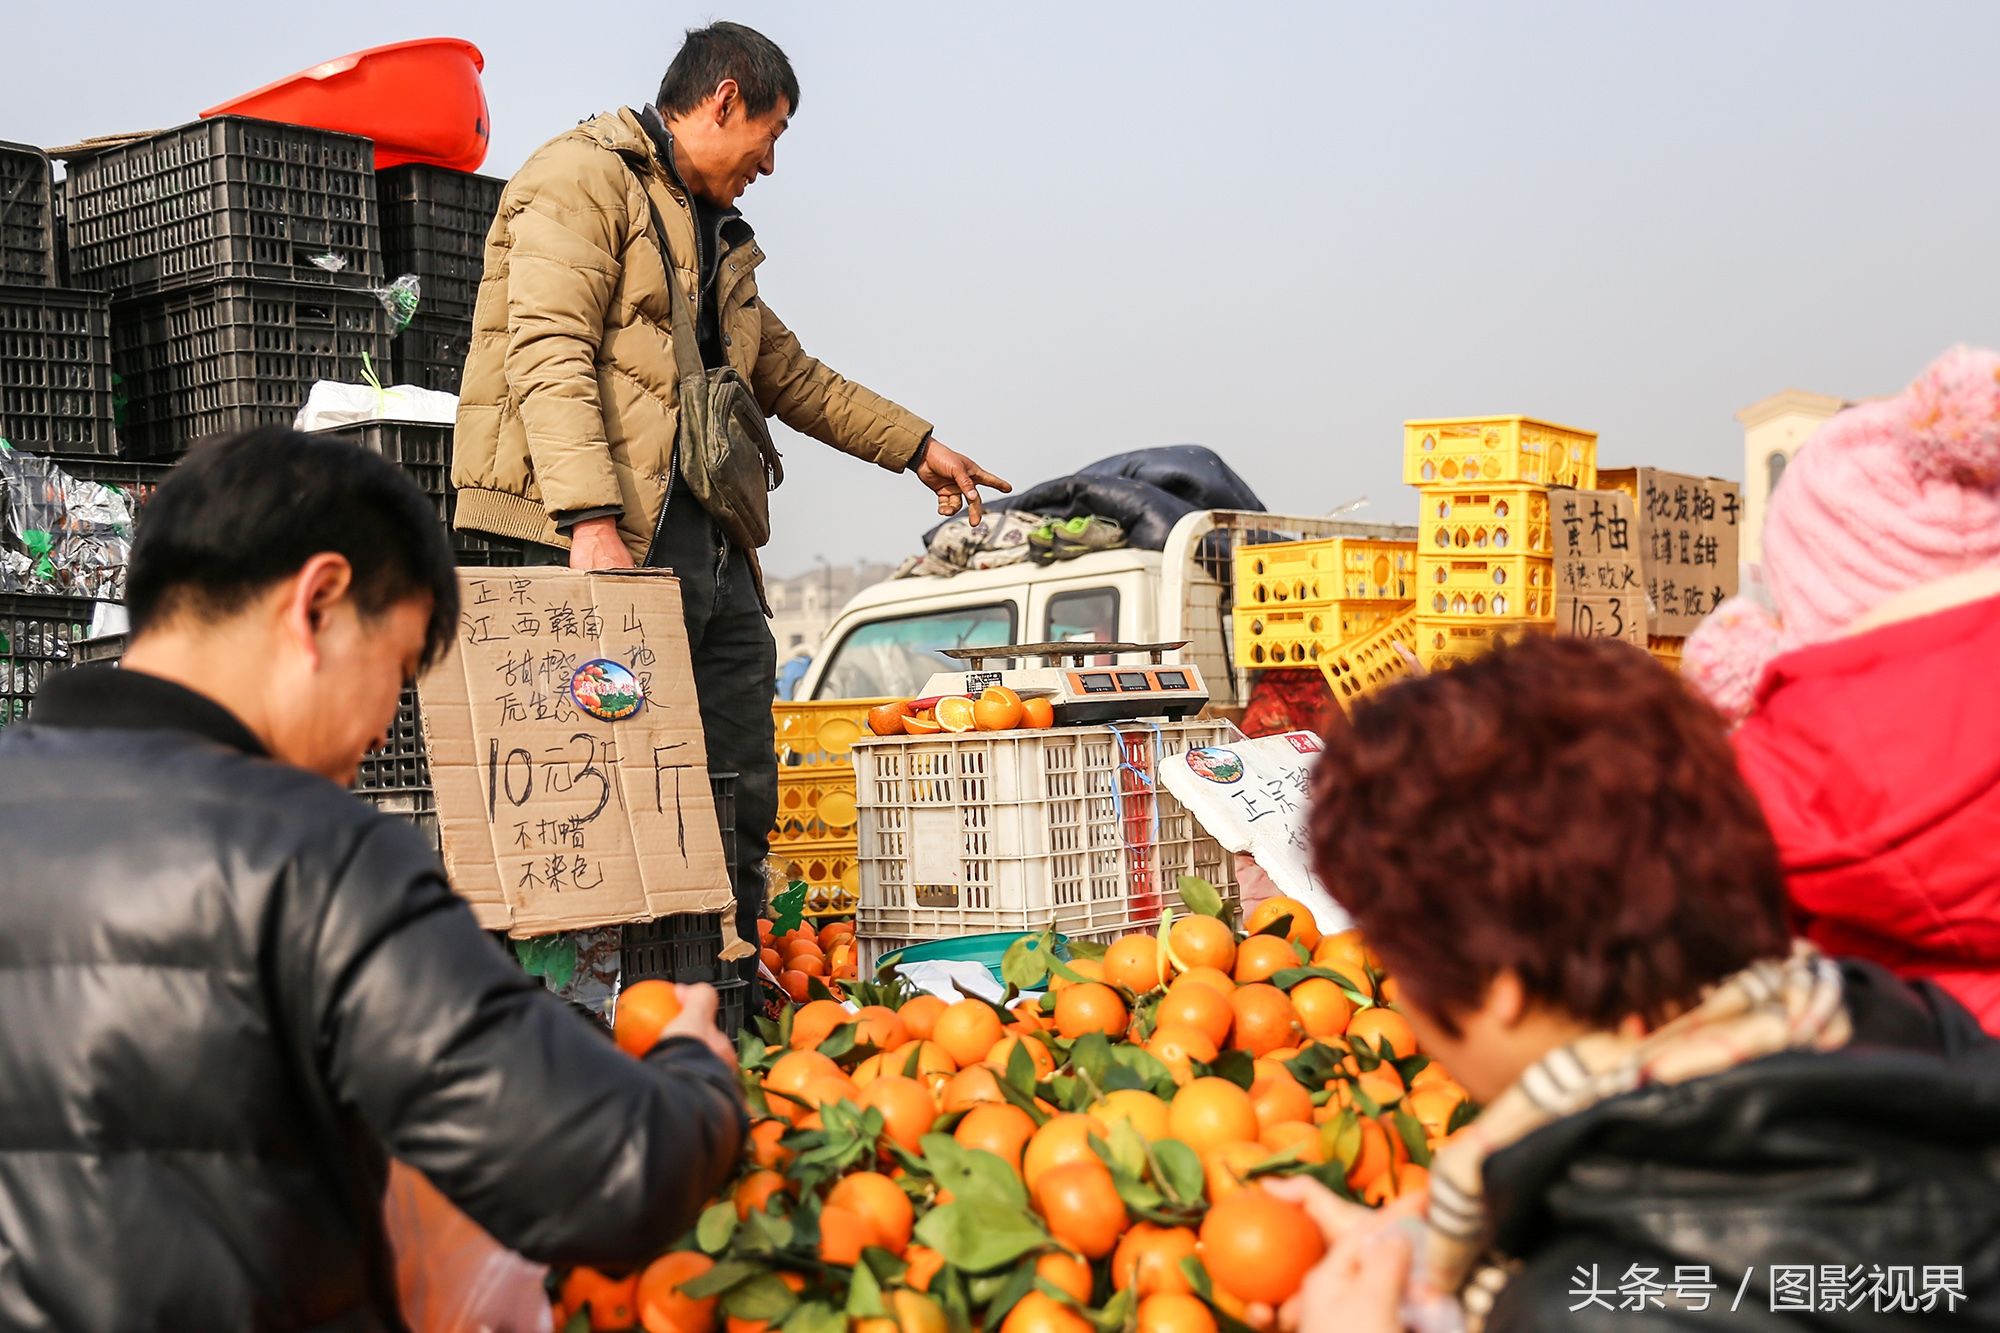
<point x="55" y="398"/>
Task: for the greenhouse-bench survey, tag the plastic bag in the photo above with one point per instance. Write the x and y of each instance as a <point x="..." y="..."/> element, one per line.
<point x="332" y="404"/>
<point x="452" y="1277"/>
<point x="59" y="534"/>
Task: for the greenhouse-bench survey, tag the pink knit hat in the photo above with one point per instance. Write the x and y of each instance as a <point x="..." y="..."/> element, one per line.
<point x="1885" y="497"/>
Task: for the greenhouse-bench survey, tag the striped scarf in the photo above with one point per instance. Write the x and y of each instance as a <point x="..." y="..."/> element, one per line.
<point x="1777" y="1005"/>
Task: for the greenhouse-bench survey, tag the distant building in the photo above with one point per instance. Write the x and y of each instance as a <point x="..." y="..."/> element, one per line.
<point x="803" y="606"/>
<point x="1773" y="430"/>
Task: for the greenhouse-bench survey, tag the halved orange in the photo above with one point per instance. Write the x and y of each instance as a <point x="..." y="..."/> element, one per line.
<point x="956" y="713"/>
<point x="921" y="724"/>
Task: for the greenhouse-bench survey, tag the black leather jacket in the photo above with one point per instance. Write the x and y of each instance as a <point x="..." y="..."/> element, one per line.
<point x="1882" y="1156"/>
<point x="229" y="990"/>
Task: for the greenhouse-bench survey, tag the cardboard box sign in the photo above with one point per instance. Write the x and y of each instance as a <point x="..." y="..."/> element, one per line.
<point x="1690" y="536"/>
<point x="1600" y="585"/>
<point x="567" y="755"/>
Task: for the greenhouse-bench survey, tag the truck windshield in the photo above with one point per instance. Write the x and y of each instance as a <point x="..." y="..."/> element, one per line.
<point x="893" y="658"/>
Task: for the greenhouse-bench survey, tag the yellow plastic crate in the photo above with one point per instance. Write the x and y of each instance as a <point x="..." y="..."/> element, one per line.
<point x="1299" y="637"/>
<point x="1331" y="569"/>
<point x="1513" y="587"/>
<point x="1444" y="641"/>
<point x="819" y="734"/>
<point x="815" y="805"/>
<point x="1450" y="450"/>
<point x="1666" y="650"/>
<point x="1369" y="663"/>
<point x="831" y="873"/>
<point x="1511" y="519"/>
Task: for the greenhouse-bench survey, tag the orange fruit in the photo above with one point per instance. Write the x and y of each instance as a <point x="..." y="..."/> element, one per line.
<point x="977" y="1086"/>
<point x="1002" y="1055"/>
<point x="1062" y="1140"/>
<point x="737" y="1324"/>
<point x="1387" y="991"/>
<point x="887" y="719"/>
<point x="1405" y="1179"/>
<point x="1037" y="714"/>
<point x="765" y="929"/>
<point x="794" y="982"/>
<point x="924" y="1265"/>
<point x="1323" y="1008"/>
<point x="1265" y="1020"/>
<point x="765" y="1148"/>
<point x="1262" y="957"/>
<point x="1003" y="1131"/>
<point x="1213" y="977"/>
<point x="881" y="1203"/>
<point x="771" y="961"/>
<point x="1280" y="1101"/>
<point x="1302" y="931"/>
<point x="789" y="1077"/>
<point x="1149" y="1257"/>
<point x="1037" y="1312"/>
<point x="1432" y="1104"/>
<point x="1346" y="954"/>
<point x="1139" y="1109"/>
<point x="1209" y="1112"/>
<point x="869" y="1070"/>
<point x="1383" y="1084"/>
<point x="1080" y="1203"/>
<point x="997" y="709"/>
<point x="644" y="1009"/>
<point x="955" y="713"/>
<point x="1379" y="1147"/>
<point x="662" y="1308"/>
<point x="612" y="1300"/>
<point x="1178" y="1047"/>
<point x="815" y="1022"/>
<point x="1432" y="1073"/>
<point x="843" y="1235"/>
<point x="907" y="1107"/>
<point x="829" y="1090"/>
<point x="1299" y="1138"/>
<point x="1202" y="941"/>
<point x="920" y="1016"/>
<point x="920" y="724"/>
<point x="812" y="964"/>
<point x="881" y="1027"/>
<point x="1174" y="1312"/>
<point x="1226" y="1167"/>
<point x="1091" y="1007"/>
<point x="1067" y="1274"/>
<point x="753" y="1193"/>
<point x="1090" y="969"/>
<point x="1378" y="1024"/>
<point x="835" y="930"/>
<point x="1198" y="1006"/>
<point x="1259" y="1248"/>
<point x="1134" y="963"/>
<point x="967" y="1031"/>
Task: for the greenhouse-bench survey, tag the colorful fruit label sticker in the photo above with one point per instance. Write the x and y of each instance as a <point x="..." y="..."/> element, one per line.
<point x="1215" y="764"/>
<point x="606" y="690"/>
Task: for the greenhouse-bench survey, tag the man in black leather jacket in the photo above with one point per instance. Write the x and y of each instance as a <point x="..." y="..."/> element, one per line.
<point x="230" y="992"/>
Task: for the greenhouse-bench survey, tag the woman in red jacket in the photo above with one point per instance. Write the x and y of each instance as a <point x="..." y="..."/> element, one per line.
<point x="1869" y="694"/>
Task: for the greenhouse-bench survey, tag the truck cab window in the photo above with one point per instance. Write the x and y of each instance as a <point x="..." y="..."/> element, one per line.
<point x="893" y="658"/>
<point x="1086" y="616"/>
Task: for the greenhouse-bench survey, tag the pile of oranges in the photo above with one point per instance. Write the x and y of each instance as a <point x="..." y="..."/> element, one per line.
<point x="799" y="956"/>
<point x="996" y="709"/>
<point x="1081" y="1163"/>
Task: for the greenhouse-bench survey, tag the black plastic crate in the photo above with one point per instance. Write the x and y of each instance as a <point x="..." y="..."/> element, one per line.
<point x="36" y="634"/>
<point x="55" y="371"/>
<point x="732" y="1014"/>
<point x="27" y="217"/>
<point x="233" y="355"/>
<point x="475" y="552"/>
<point x="423" y="450"/>
<point x="400" y="765"/>
<point x="430" y="353"/>
<point x="434" y="224"/>
<point x="224" y="198"/>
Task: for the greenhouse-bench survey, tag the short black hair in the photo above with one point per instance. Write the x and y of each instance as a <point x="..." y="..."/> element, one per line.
<point x="246" y="511"/>
<point x="728" y="51"/>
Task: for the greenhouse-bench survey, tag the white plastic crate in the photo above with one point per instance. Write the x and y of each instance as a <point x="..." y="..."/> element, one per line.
<point x="1023" y="829"/>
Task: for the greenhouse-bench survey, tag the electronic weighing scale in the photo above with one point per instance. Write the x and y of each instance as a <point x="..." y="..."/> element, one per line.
<point x="1080" y="693"/>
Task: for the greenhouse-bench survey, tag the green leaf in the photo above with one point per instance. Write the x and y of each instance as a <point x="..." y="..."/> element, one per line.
<point x="973" y="1177"/>
<point x="580" y="1321"/>
<point x="767" y="1233"/>
<point x="1091" y="1056"/>
<point x="1412" y="1131"/>
<point x="1462" y="1115"/>
<point x="1009" y="1292"/>
<point x="1117" y="1314"/>
<point x="762" y="1297"/>
<point x="729" y="1273"/>
<point x="717" y="1225"/>
<point x="816" y="1317"/>
<point x="1058" y="968"/>
<point x="1026" y="963"/>
<point x="981" y="1238"/>
<point x="1087" y="951"/>
<point x="1123" y="1149"/>
<point x="1342" y="1138"/>
<point x="1289" y="977"/>
<point x="1313" y="1066"/>
<point x="864" y="1294"/>
<point x="1281" y="927"/>
<point x="1196" y="1274"/>
<point x="1202" y="898"/>
<point x="1153" y="1076"/>
<point x="818" y="990"/>
<point x="1237" y="1067"/>
<point x="788" y="909"/>
<point x="1021" y="1067"/>
<point x="1023" y="1098"/>
<point x="1179" y="1171"/>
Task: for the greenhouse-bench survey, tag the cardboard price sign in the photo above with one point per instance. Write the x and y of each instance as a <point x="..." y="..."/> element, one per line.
<point x="1690" y="534"/>
<point x="1600" y="586"/>
<point x="566" y="753"/>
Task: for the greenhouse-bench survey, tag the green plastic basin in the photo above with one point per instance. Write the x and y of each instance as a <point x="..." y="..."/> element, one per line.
<point x="985" y="950"/>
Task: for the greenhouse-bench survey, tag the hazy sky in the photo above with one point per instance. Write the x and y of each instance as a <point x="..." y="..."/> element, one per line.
<point x="1063" y="231"/>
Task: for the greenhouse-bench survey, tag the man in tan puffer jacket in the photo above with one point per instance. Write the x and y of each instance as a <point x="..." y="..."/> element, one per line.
<point x="567" y="414"/>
